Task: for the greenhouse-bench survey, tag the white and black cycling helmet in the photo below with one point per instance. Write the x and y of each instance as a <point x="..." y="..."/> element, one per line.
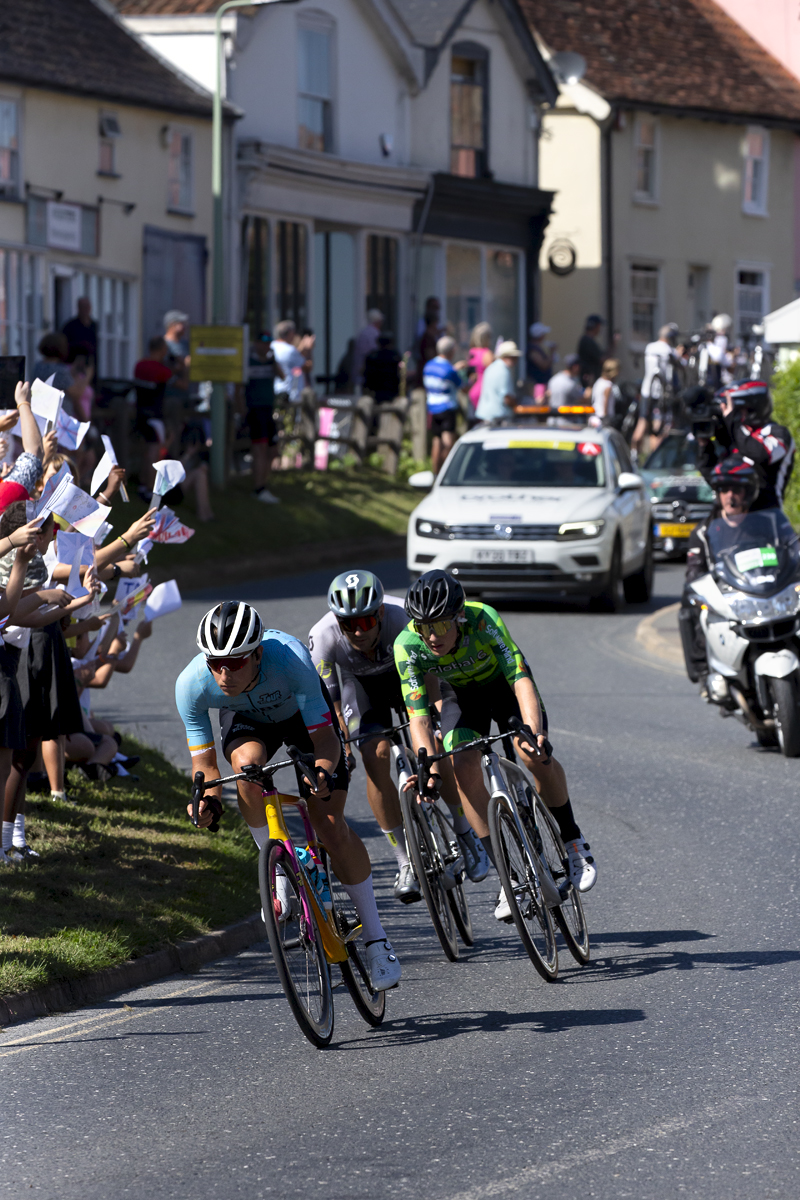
<point x="355" y="594"/>
<point x="435" y="596"/>
<point x="231" y="629"/>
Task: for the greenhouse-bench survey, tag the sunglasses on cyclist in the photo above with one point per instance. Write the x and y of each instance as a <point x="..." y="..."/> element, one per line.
<point x="737" y="488"/>
<point x="438" y="628"/>
<point x="229" y="664"/>
<point x="351" y="624"/>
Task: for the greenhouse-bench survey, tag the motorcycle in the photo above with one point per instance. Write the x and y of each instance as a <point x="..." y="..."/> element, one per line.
<point x="749" y="611"/>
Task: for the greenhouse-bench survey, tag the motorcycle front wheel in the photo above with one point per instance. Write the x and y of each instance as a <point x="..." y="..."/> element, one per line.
<point x="787" y="714"/>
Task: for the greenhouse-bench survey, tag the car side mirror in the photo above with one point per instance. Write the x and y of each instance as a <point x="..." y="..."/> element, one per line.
<point x="628" y="481"/>
<point x="422" y="479"/>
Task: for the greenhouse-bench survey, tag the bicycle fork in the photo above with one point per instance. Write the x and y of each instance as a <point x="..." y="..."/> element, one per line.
<point x="543" y="880"/>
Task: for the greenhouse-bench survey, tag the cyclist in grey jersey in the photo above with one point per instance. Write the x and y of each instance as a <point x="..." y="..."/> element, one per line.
<point x="352" y="648"/>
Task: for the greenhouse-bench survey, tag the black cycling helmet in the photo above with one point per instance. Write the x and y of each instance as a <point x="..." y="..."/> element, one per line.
<point x="434" y="597"/>
<point x="231" y="629"/>
<point x="739" y="470"/>
<point x="750" y="396"/>
<point x="355" y="594"/>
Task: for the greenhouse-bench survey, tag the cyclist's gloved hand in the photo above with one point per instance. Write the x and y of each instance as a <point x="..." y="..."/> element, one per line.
<point x="433" y="787"/>
<point x="325" y="785"/>
<point x="350" y="762"/>
<point x="545" y="750"/>
<point x="210" y="806"/>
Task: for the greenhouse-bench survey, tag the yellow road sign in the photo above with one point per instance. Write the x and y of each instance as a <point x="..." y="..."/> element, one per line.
<point x="218" y="353"/>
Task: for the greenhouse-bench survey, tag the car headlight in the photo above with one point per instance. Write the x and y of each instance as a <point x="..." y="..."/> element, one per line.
<point x="432" y="529"/>
<point x="756" y="609"/>
<point x="581" y="529"/>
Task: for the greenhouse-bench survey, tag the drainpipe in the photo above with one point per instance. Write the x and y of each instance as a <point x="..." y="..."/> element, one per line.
<point x="608" y="224"/>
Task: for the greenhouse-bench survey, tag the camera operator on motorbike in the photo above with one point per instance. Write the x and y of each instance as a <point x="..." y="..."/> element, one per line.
<point x="736" y="484"/>
<point x="747" y="428"/>
<point x="355" y="642"/>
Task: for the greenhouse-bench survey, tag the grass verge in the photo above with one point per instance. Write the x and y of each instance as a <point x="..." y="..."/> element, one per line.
<point x="121" y="873"/>
<point x="316" y="507"/>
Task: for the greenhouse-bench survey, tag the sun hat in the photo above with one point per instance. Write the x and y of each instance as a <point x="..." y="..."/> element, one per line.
<point x="507" y="350"/>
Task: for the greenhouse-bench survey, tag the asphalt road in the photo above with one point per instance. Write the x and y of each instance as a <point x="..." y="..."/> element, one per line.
<point x="666" y="1068"/>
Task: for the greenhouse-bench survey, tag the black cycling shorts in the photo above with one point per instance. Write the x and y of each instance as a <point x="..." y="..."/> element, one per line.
<point x="443" y="422"/>
<point x="468" y="712"/>
<point x="369" y="702"/>
<point x="274" y="734"/>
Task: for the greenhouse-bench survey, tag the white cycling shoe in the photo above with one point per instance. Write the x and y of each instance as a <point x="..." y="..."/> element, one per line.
<point x="383" y="965"/>
<point x="502" y="911"/>
<point x="582" y="868"/>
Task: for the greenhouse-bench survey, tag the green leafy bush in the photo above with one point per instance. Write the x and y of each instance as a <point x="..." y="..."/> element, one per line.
<point x="786" y="399"/>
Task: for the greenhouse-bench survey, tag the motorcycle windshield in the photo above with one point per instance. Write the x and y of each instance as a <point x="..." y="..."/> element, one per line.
<point x="759" y="555"/>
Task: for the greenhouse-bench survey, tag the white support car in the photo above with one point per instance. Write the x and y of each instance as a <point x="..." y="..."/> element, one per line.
<point x="537" y="510"/>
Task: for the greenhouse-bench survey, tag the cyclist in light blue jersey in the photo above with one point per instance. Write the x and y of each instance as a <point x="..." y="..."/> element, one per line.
<point x="267" y="692"/>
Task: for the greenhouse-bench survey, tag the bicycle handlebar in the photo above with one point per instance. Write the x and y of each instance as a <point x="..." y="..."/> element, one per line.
<point x="304" y="764"/>
<point x="516" y="728"/>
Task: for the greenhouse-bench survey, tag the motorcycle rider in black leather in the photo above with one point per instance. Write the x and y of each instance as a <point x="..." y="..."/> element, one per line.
<point x="747" y="428"/>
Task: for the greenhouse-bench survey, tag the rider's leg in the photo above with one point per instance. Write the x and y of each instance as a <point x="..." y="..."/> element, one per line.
<point x="382" y="795"/>
<point x="246" y="752"/>
<point x="349" y="859"/>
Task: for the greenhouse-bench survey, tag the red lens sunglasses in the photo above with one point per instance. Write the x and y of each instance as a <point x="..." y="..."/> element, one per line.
<point x="228" y="664"/>
<point x="351" y="624"/>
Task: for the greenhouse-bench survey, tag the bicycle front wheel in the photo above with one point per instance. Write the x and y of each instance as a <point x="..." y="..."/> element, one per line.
<point x="295" y="943"/>
<point x="517" y="871"/>
<point x="429" y="870"/>
<point x="371" y="1005"/>
<point x="569" y="915"/>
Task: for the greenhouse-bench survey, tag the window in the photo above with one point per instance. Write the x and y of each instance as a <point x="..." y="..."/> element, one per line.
<point x="255" y="273"/>
<point x="382" y="279"/>
<point x="63" y="226"/>
<point x="21" y="302"/>
<point x="699" y="295"/>
<point x="314" y="100"/>
<point x="464" y="291"/>
<point x="756" y="171"/>
<point x="112" y="310"/>
<point x="179" y="172"/>
<point x="468" y="111"/>
<point x="292" y="273"/>
<point x="334" y="308"/>
<point x="502" y="293"/>
<point x="109" y="132"/>
<point x="644" y="186"/>
<point x="751" y="300"/>
<point x="644" y="302"/>
<point x="9" y="148"/>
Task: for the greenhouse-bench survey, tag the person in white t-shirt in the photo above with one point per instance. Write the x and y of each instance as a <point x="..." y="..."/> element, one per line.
<point x="606" y="394"/>
<point x="660" y="357"/>
<point x="291" y="360"/>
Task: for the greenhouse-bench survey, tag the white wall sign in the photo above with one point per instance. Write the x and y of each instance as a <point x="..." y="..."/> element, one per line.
<point x="63" y="225"/>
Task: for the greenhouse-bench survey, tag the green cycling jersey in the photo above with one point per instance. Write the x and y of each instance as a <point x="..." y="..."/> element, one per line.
<point x="484" y="651"/>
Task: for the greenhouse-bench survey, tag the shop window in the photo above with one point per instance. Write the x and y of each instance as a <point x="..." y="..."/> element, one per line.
<point x="291" y="273"/>
<point x="9" y="148"/>
<point x="645" y="161"/>
<point x="255" y="273"/>
<point x="502" y="293"/>
<point x="752" y="288"/>
<point x="644" y="302"/>
<point x="315" y="98"/>
<point x="756" y="171"/>
<point x="382" y="279"/>
<point x="21" y="302"/>
<point x="113" y="311"/>
<point x="180" y="172"/>
<point x="468" y="111"/>
<point x="464" y="291"/>
<point x="334" y="309"/>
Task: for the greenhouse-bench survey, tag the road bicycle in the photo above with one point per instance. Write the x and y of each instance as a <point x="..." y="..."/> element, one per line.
<point x="531" y="858"/>
<point x="305" y="940"/>
<point x="432" y="847"/>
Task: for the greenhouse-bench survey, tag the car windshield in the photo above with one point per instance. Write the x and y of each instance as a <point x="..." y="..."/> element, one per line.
<point x="675" y="454"/>
<point x="757" y="555"/>
<point x="526" y="462"/>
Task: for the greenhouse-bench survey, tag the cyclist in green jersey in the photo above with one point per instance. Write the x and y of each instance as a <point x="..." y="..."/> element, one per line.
<point x="483" y="677"/>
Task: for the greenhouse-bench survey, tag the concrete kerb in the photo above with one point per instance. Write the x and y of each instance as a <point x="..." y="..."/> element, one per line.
<point x="185" y="956"/>
<point x="663" y="643"/>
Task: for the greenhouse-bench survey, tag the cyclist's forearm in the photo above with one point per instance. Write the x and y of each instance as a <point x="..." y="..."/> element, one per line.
<point x="207" y="763"/>
<point x="529" y="704"/>
<point x="327" y="749"/>
<point x="421" y="731"/>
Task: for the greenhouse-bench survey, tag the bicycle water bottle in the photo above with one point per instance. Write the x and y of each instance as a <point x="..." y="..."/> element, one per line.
<point x="316" y="875"/>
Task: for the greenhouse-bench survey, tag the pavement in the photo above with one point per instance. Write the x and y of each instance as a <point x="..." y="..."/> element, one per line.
<point x="665" y="1068"/>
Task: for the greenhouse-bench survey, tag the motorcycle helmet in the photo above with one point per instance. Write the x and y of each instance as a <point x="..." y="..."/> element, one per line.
<point x="436" y="596"/>
<point x="355" y="594"/>
<point x="230" y="630"/>
<point x="736" y="469"/>
<point x="750" y="397"/>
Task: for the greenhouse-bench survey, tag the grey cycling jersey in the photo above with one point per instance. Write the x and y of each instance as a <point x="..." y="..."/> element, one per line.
<point x="330" y="648"/>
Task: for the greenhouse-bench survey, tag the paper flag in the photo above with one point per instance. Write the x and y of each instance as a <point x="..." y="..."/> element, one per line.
<point x="169" y="529"/>
<point x="163" y="599"/>
<point x="103" y="468"/>
<point x="70" y="431"/>
<point x="79" y="509"/>
<point x="76" y="551"/>
<point x="102" y="533"/>
<point x="130" y="594"/>
<point x="169" y="473"/>
<point x="50" y="488"/>
<point x="45" y="400"/>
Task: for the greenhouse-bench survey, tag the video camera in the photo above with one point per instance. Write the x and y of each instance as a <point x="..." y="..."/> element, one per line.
<point x="703" y="411"/>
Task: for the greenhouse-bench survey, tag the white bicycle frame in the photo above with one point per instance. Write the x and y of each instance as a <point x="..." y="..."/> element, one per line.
<point x="497" y="788"/>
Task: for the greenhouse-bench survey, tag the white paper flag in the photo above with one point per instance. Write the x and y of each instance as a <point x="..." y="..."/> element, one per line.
<point x="45" y="400"/>
<point x="169" y="473"/>
<point x="62" y="475"/>
<point x="79" y="509"/>
<point x="75" y="550"/>
<point x="103" y="468"/>
<point x="163" y="599"/>
<point x="169" y="528"/>
<point x="70" y="431"/>
<point x="131" y="595"/>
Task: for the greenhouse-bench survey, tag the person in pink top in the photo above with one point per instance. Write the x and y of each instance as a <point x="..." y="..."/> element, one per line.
<point x="478" y="359"/>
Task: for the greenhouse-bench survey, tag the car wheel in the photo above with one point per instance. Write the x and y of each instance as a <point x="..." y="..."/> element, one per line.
<point x="639" y="587"/>
<point x="612" y="597"/>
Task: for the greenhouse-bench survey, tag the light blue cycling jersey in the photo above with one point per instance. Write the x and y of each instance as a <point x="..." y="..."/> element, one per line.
<point x="287" y="682"/>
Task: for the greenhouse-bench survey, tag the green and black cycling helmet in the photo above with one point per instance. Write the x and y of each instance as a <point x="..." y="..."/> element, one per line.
<point x="355" y="594"/>
<point x="436" y="596"/>
<point x="736" y="470"/>
<point x="230" y="630"/>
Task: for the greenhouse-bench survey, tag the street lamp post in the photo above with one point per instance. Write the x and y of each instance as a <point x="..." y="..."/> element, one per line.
<point x="219" y="315"/>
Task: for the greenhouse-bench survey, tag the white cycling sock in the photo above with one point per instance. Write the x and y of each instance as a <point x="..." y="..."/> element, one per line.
<point x="363" y="896"/>
<point x="460" y="822"/>
<point x="19" y="831"/>
<point x="260" y="834"/>
<point x="397" y="840"/>
<point x="8" y="834"/>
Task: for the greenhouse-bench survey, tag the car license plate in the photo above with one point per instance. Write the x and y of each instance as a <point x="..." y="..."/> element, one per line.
<point x="675" y="531"/>
<point x="502" y="554"/>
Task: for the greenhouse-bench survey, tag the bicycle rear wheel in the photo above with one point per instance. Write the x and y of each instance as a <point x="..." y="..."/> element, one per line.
<point x="569" y="915"/>
<point x="429" y="870"/>
<point x="371" y="1005"/>
<point x="296" y="945"/>
<point x="517" y="871"/>
<point x="457" y="896"/>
